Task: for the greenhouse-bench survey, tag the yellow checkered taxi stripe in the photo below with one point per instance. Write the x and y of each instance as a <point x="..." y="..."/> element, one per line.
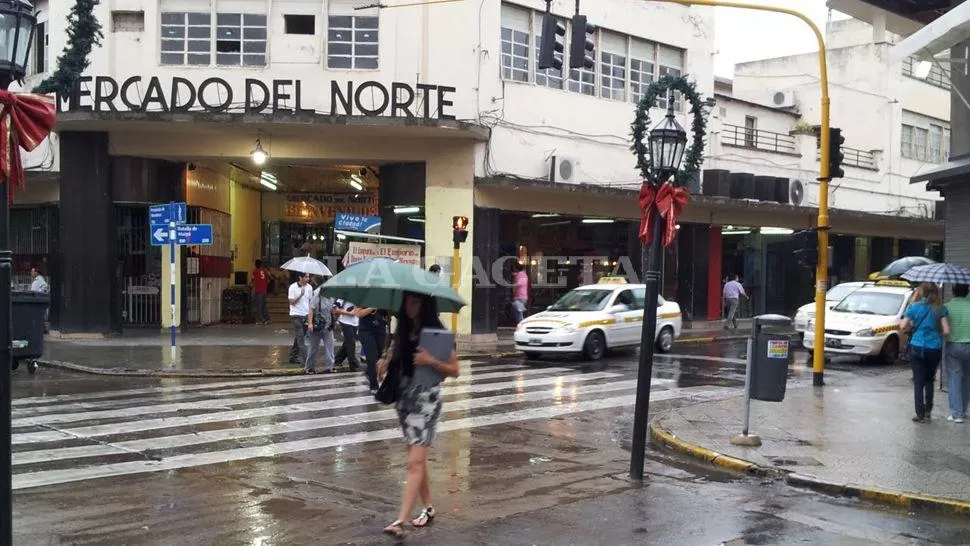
<point x="885" y="329"/>
<point x="603" y="322"/>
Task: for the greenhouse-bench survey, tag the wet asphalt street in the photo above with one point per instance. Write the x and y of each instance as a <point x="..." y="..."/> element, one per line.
<point x="528" y="453"/>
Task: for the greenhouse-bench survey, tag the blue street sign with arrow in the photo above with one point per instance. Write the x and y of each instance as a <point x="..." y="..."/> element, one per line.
<point x="193" y="234"/>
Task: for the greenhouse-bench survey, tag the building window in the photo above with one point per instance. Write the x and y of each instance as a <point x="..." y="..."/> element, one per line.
<point x="241" y="39"/>
<point x="515" y="44"/>
<point x="920" y="137"/>
<point x="300" y="24"/>
<point x="751" y="131"/>
<point x="642" y="66"/>
<point x="935" y="144"/>
<point x="186" y="39"/>
<point x="613" y="55"/>
<point x="353" y="42"/>
<point x="671" y="61"/>
<point x="41" y="45"/>
<point x="549" y="77"/>
<point x="906" y="142"/>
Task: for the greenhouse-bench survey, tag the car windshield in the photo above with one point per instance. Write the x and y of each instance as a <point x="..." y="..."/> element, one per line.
<point x="871" y="303"/>
<point x="837" y="293"/>
<point x="582" y="300"/>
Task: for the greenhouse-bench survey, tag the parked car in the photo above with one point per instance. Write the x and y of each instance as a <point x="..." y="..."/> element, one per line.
<point x="835" y="294"/>
<point x="592" y="319"/>
<point x="865" y="323"/>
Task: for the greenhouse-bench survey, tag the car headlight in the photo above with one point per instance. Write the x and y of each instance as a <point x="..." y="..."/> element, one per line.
<point x="865" y="333"/>
<point x="567" y="329"/>
<point x="519" y="327"/>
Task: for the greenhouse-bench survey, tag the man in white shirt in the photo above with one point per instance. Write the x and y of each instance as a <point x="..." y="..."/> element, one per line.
<point x="299" y="296"/>
<point x="347" y="317"/>
<point x="733" y="292"/>
<point x="37" y="283"/>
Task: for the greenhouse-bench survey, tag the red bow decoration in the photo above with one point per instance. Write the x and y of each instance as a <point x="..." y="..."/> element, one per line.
<point x="25" y="121"/>
<point x="670" y="201"/>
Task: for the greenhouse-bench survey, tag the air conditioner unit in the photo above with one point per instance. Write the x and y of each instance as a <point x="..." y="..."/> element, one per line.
<point x="563" y="169"/>
<point x="796" y="192"/>
<point x="783" y="99"/>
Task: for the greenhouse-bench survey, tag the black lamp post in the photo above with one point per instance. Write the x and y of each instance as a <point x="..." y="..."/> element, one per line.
<point x="666" y="146"/>
<point x="16" y="34"/>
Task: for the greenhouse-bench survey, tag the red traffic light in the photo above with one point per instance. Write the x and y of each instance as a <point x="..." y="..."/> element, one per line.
<point x="459" y="223"/>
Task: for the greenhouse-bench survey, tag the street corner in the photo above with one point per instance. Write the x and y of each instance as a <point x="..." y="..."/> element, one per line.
<point x="663" y="435"/>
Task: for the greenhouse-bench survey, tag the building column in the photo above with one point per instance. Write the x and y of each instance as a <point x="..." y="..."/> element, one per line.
<point x="449" y="192"/>
<point x="87" y="218"/>
<point x="486" y="249"/>
<point x="715" y="253"/>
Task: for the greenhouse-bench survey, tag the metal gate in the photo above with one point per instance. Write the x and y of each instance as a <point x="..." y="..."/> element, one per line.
<point x="141" y="264"/>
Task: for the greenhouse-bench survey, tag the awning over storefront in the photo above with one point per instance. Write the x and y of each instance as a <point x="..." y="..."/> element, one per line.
<point x="956" y="170"/>
<point x="945" y="32"/>
<point x="586" y="200"/>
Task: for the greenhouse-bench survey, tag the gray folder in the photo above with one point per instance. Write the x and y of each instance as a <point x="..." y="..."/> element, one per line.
<point x="439" y="343"/>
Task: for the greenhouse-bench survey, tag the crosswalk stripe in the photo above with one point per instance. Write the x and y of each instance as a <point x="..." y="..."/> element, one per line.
<point x="210" y="436"/>
<point x="236" y="415"/>
<point x="354" y="384"/>
<point x="51" y="477"/>
<point x="261" y="387"/>
<point x="466" y="367"/>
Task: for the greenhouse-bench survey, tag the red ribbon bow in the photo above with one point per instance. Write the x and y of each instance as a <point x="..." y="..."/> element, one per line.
<point x="25" y="121"/>
<point x="670" y="202"/>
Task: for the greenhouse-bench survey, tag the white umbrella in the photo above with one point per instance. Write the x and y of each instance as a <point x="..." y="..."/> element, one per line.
<point x="308" y="265"/>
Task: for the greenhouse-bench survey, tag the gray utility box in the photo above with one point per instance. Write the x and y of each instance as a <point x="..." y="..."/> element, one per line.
<point x="772" y="357"/>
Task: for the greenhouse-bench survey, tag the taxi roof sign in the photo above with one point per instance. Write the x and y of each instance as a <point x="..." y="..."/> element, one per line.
<point x="612" y="280"/>
<point x="894" y="282"/>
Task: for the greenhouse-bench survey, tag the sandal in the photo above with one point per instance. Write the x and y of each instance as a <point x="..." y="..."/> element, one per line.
<point x="395" y="529"/>
<point x="425" y="518"/>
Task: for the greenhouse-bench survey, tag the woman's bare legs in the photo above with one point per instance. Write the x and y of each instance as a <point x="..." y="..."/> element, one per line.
<point x="417" y="480"/>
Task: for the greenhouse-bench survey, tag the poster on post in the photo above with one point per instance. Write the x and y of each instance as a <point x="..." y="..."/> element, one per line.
<point x="408" y="254"/>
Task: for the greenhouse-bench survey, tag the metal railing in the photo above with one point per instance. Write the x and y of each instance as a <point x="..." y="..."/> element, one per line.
<point x="861" y="159"/>
<point x="938" y="76"/>
<point x="755" y="139"/>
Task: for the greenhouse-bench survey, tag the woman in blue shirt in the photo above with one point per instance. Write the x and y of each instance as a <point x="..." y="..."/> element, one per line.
<point x="926" y="321"/>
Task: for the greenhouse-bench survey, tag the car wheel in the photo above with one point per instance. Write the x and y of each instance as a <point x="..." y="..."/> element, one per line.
<point x="532" y="356"/>
<point x="595" y="346"/>
<point x="890" y="351"/>
<point x="665" y="340"/>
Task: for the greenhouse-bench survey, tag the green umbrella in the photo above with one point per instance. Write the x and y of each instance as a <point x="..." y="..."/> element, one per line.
<point x="381" y="284"/>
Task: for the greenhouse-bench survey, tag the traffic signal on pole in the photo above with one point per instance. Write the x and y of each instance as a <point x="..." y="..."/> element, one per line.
<point x="553" y="44"/>
<point x="581" y="46"/>
<point x="806" y="247"/>
<point x="836" y="140"/>
<point x="459" y="226"/>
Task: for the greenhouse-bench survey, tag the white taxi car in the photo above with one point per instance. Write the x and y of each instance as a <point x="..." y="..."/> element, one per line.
<point x="595" y="318"/>
<point x="835" y="294"/>
<point x="865" y="323"/>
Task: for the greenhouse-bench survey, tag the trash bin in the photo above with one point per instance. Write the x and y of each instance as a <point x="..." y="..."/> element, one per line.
<point x="772" y="357"/>
<point x="28" y="310"/>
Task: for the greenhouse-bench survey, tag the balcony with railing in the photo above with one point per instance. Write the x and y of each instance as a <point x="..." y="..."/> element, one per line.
<point x="853" y="157"/>
<point x="756" y="139"/>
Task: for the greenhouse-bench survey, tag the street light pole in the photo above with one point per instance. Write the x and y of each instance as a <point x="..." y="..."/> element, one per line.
<point x="821" y="270"/>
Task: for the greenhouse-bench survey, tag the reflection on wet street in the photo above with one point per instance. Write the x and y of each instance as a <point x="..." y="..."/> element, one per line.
<point x="526" y="452"/>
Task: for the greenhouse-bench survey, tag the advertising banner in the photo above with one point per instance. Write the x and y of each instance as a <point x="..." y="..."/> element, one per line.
<point x="409" y="254"/>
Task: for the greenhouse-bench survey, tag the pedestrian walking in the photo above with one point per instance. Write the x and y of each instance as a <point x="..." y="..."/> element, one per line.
<point x="37" y="281"/>
<point x="958" y="353"/>
<point x="419" y="406"/>
<point x="733" y="292"/>
<point x="347" y="318"/>
<point x="520" y="291"/>
<point x="259" y="280"/>
<point x="299" y="297"/>
<point x="320" y="322"/>
<point x="926" y="321"/>
<point x="372" y="330"/>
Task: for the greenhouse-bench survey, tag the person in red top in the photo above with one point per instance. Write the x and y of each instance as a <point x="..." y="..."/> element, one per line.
<point x="260" y="284"/>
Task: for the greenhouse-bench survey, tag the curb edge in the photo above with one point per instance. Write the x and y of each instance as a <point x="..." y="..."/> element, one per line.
<point x="665" y="438"/>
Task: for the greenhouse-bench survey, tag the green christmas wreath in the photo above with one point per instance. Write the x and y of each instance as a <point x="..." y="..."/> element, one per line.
<point x="83" y="33"/>
<point x="694" y="154"/>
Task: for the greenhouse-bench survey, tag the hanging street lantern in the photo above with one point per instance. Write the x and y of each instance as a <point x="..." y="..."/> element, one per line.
<point x="667" y="143"/>
<point x="16" y="36"/>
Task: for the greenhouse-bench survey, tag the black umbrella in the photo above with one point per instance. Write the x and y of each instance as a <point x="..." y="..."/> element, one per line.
<point x="902" y="265"/>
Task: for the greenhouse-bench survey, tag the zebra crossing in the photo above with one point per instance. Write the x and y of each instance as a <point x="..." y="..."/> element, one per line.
<point x="71" y="438"/>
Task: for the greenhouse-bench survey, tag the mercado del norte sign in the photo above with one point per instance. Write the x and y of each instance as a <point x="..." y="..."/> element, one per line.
<point x="254" y="96"/>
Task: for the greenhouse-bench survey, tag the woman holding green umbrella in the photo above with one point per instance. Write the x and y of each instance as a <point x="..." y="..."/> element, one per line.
<point x="419" y="407"/>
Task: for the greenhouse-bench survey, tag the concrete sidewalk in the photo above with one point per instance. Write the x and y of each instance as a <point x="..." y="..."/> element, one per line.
<point x="853" y="437"/>
<point x="232" y="350"/>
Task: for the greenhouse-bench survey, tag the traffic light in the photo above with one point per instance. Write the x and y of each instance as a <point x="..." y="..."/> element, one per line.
<point x="459" y="226"/>
<point x="581" y="44"/>
<point x="553" y="46"/>
<point x="836" y="140"/>
<point x="806" y="247"/>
